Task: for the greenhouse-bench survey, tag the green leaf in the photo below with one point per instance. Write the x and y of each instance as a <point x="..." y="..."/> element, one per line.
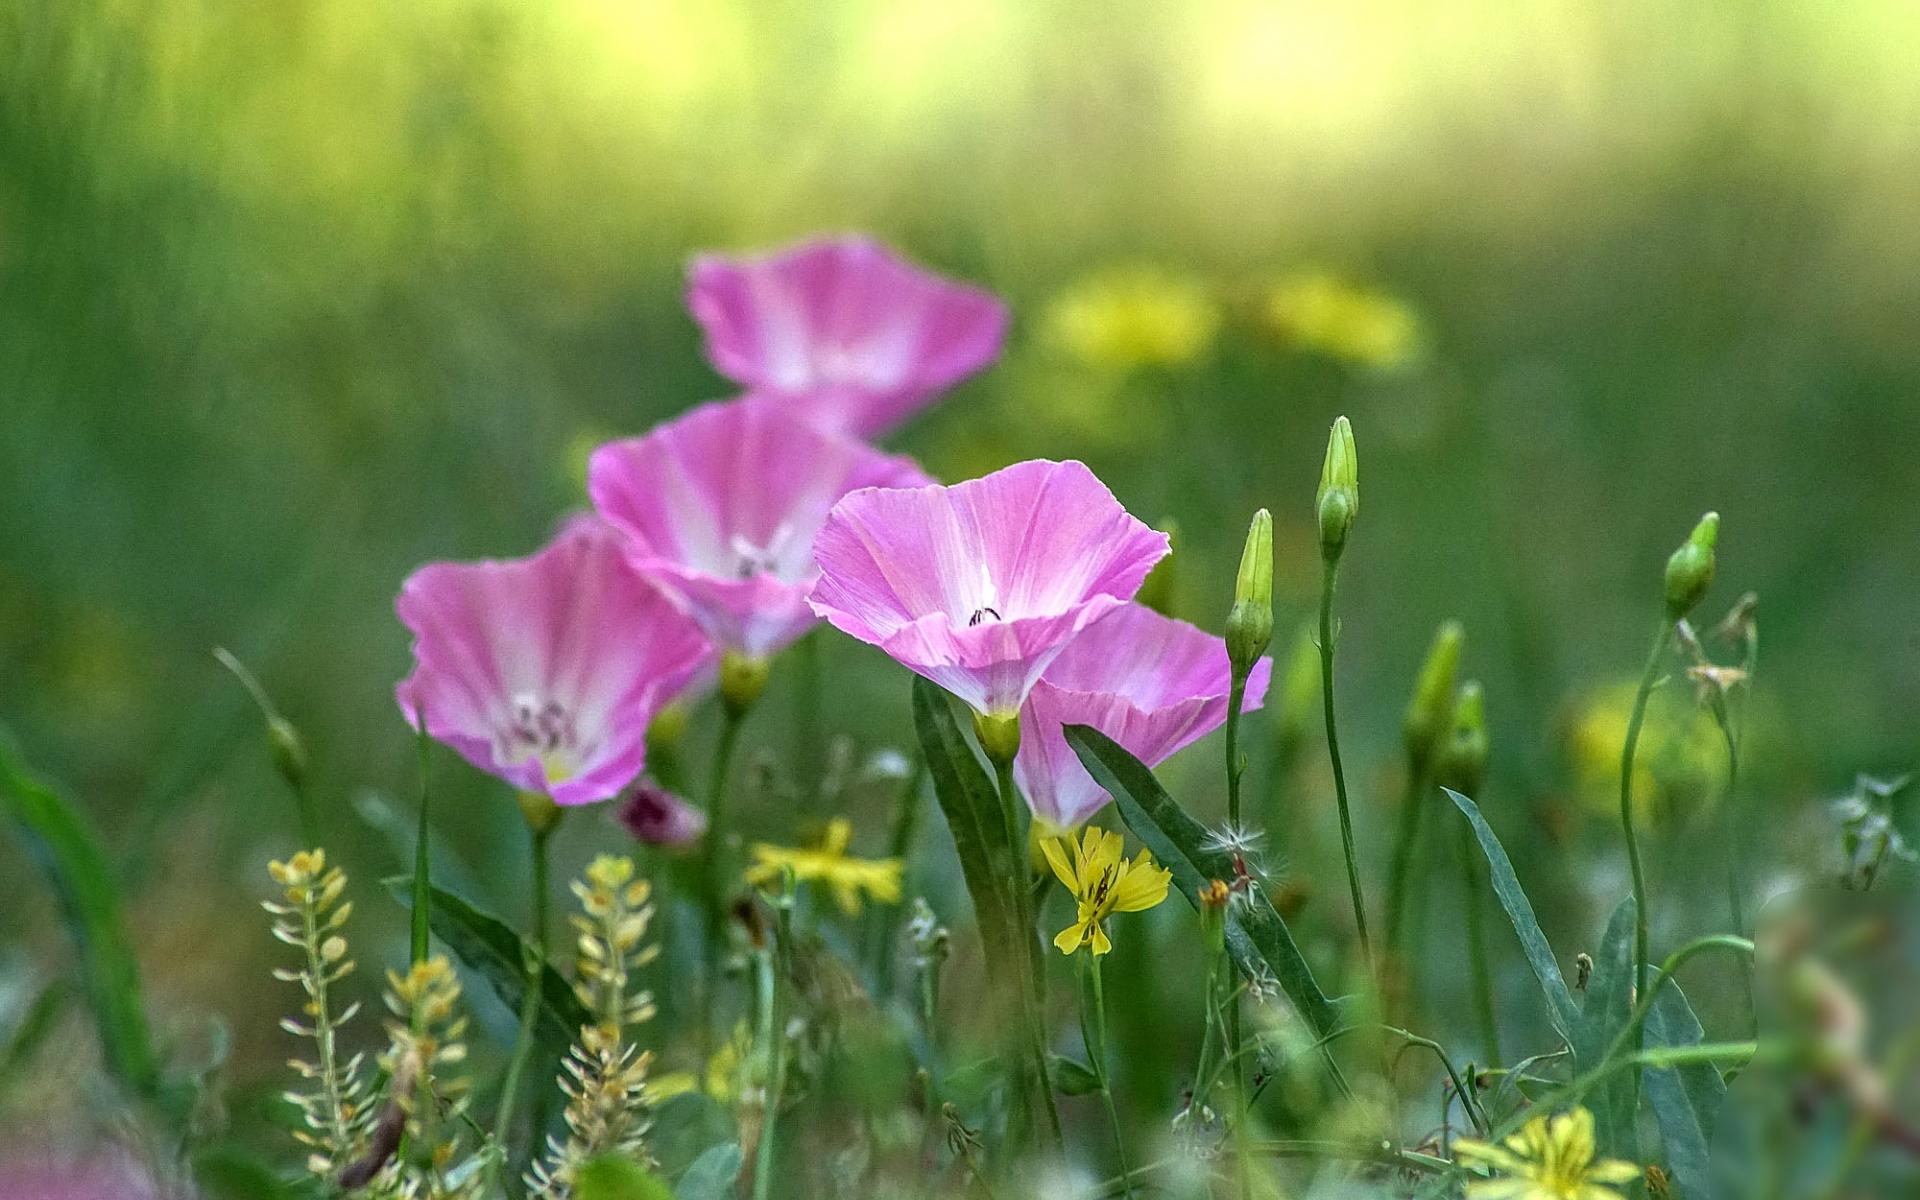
<point x="33" y="1027"/>
<point x="68" y="851"/>
<point x="1071" y="1077"/>
<point x="491" y="949"/>
<point x="971" y="804"/>
<point x="1685" y="1100"/>
<point x="1257" y="939"/>
<point x="1506" y="886"/>
<point x="617" y="1179"/>
<point x="712" y="1175"/>
<point x="1609" y="1004"/>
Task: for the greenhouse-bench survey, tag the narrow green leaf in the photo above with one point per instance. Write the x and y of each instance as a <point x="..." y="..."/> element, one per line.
<point x="491" y="949"/>
<point x="971" y="804"/>
<point x="712" y="1176"/>
<point x="68" y="851"/>
<point x="1071" y="1077"/>
<point x="33" y="1027"/>
<point x="1258" y="941"/>
<point x="1685" y="1100"/>
<point x="1608" y="1005"/>
<point x="1533" y="943"/>
<point x="618" y="1179"/>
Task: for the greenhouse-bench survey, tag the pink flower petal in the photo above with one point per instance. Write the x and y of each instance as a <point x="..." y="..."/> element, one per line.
<point x="844" y="333"/>
<point x="1151" y="683"/>
<point x="546" y="670"/>
<point x="977" y="586"/>
<point x="721" y="506"/>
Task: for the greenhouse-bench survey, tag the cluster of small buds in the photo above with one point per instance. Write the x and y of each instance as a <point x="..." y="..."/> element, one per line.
<point x="424" y="1043"/>
<point x="604" y="1076"/>
<point x="335" y="1108"/>
<point x="1868" y="834"/>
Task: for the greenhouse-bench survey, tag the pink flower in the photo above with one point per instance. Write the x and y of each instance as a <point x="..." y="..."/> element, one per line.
<point x="656" y="816"/>
<point x="546" y="670"/>
<point x="721" y="506"/>
<point x="108" y="1176"/>
<point x="1151" y="683"/>
<point x="979" y="585"/>
<point x="846" y="334"/>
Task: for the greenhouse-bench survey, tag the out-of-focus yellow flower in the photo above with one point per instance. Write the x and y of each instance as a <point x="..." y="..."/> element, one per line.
<point x="1322" y="312"/>
<point x="1104" y="883"/>
<point x="1680" y="755"/>
<point x="1549" y="1159"/>
<point x="728" y="1069"/>
<point x="828" y="862"/>
<point x="1129" y="317"/>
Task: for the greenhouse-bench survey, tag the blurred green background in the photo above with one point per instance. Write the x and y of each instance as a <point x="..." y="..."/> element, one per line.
<point x="296" y="296"/>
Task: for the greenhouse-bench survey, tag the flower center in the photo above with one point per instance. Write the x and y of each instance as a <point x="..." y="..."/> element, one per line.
<point x="752" y="559"/>
<point x="983" y="613"/>
<point x="542" y="729"/>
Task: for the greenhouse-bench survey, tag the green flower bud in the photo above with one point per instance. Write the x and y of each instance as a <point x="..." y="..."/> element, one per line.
<point x="1338" y="501"/>
<point x="999" y="735"/>
<point x="1250" y="622"/>
<point x="1157" y="592"/>
<point x="1690" y="569"/>
<point x="1431" y="708"/>
<point x="742" y="679"/>
<point x="289" y="753"/>
<point x="1214" y="898"/>
<point x="1462" y="760"/>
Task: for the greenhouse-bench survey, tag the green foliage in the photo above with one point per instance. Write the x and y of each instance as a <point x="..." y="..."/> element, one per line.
<point x="491" y="949"/>
<point x="1561" y="1008"/>
<point x="712" y="1175"/>
<point x="69" y="853"/>
<point x="1259" y="942"/>
<point x="1608" y="1005"/>
<point x="1685" y="1100"/>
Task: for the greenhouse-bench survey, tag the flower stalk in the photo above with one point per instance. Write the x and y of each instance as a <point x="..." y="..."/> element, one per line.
<point x="1336" y="505"/>
<point x="543" y="817"/>
<point x="1093" y="1032"/>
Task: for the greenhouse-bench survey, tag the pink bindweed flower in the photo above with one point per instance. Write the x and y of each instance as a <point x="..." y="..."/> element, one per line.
<point x="103" y="1177"/>
<point x="979" y="585"/>
<point x="846" y="334"/>
<point x="1151" y="683"/>
<point x="721" y="506"/>
<point x="656" y="816"/>
<point x="546" y="670"/>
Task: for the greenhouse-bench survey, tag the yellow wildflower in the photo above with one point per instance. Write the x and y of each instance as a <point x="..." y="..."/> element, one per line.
<point x="1325" y="313"/>
<point x="1104" y="883"/>
<point x="828" y="862"/>
<point x="1549" y="1159"/>
<point x="1134" y="317"/>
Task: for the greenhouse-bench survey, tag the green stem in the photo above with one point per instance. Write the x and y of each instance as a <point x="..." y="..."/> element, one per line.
<point x="806" y="718"/>
<point x="1640" y="922"/>
<point x="422" y="883"/>
<point x="1468" y="1101"/>
<point x="1022" y="905"/>
<point x="1409" y="836"/>
<point x="773" y="1037"/>
<point x="536" y="963"/>
<point x="713" y="872"/>
<point x="1328" y="578"/>
<point x="1093" y="1031"/>
<point x="1477" y="947"/>
<point x="1236" y="765"/>
<point x="883" y="930"/>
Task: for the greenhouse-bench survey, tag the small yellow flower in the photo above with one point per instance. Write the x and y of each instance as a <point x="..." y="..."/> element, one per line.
<point x="1134" y="317"/>
<point x="1549" y="1159"/>
<point x="829" y="863"/>
<point x="1325" y="313"/>
<point x="1104" y="883"/>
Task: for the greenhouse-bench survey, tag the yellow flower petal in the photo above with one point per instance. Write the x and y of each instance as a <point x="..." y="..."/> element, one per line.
<point x="1100" y="942"/>
<point x="1069" y="939"/>
<point x="1057" y="859"/>
<point x="1141" y="887"/>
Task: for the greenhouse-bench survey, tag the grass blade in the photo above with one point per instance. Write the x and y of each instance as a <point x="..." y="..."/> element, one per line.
<point x="971" y="804"/>
<point x="1533" y="943"/>
<point x="69" y="853"/>
<point x="1257" y="939"/>
<point x="1609" y="1002"/>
